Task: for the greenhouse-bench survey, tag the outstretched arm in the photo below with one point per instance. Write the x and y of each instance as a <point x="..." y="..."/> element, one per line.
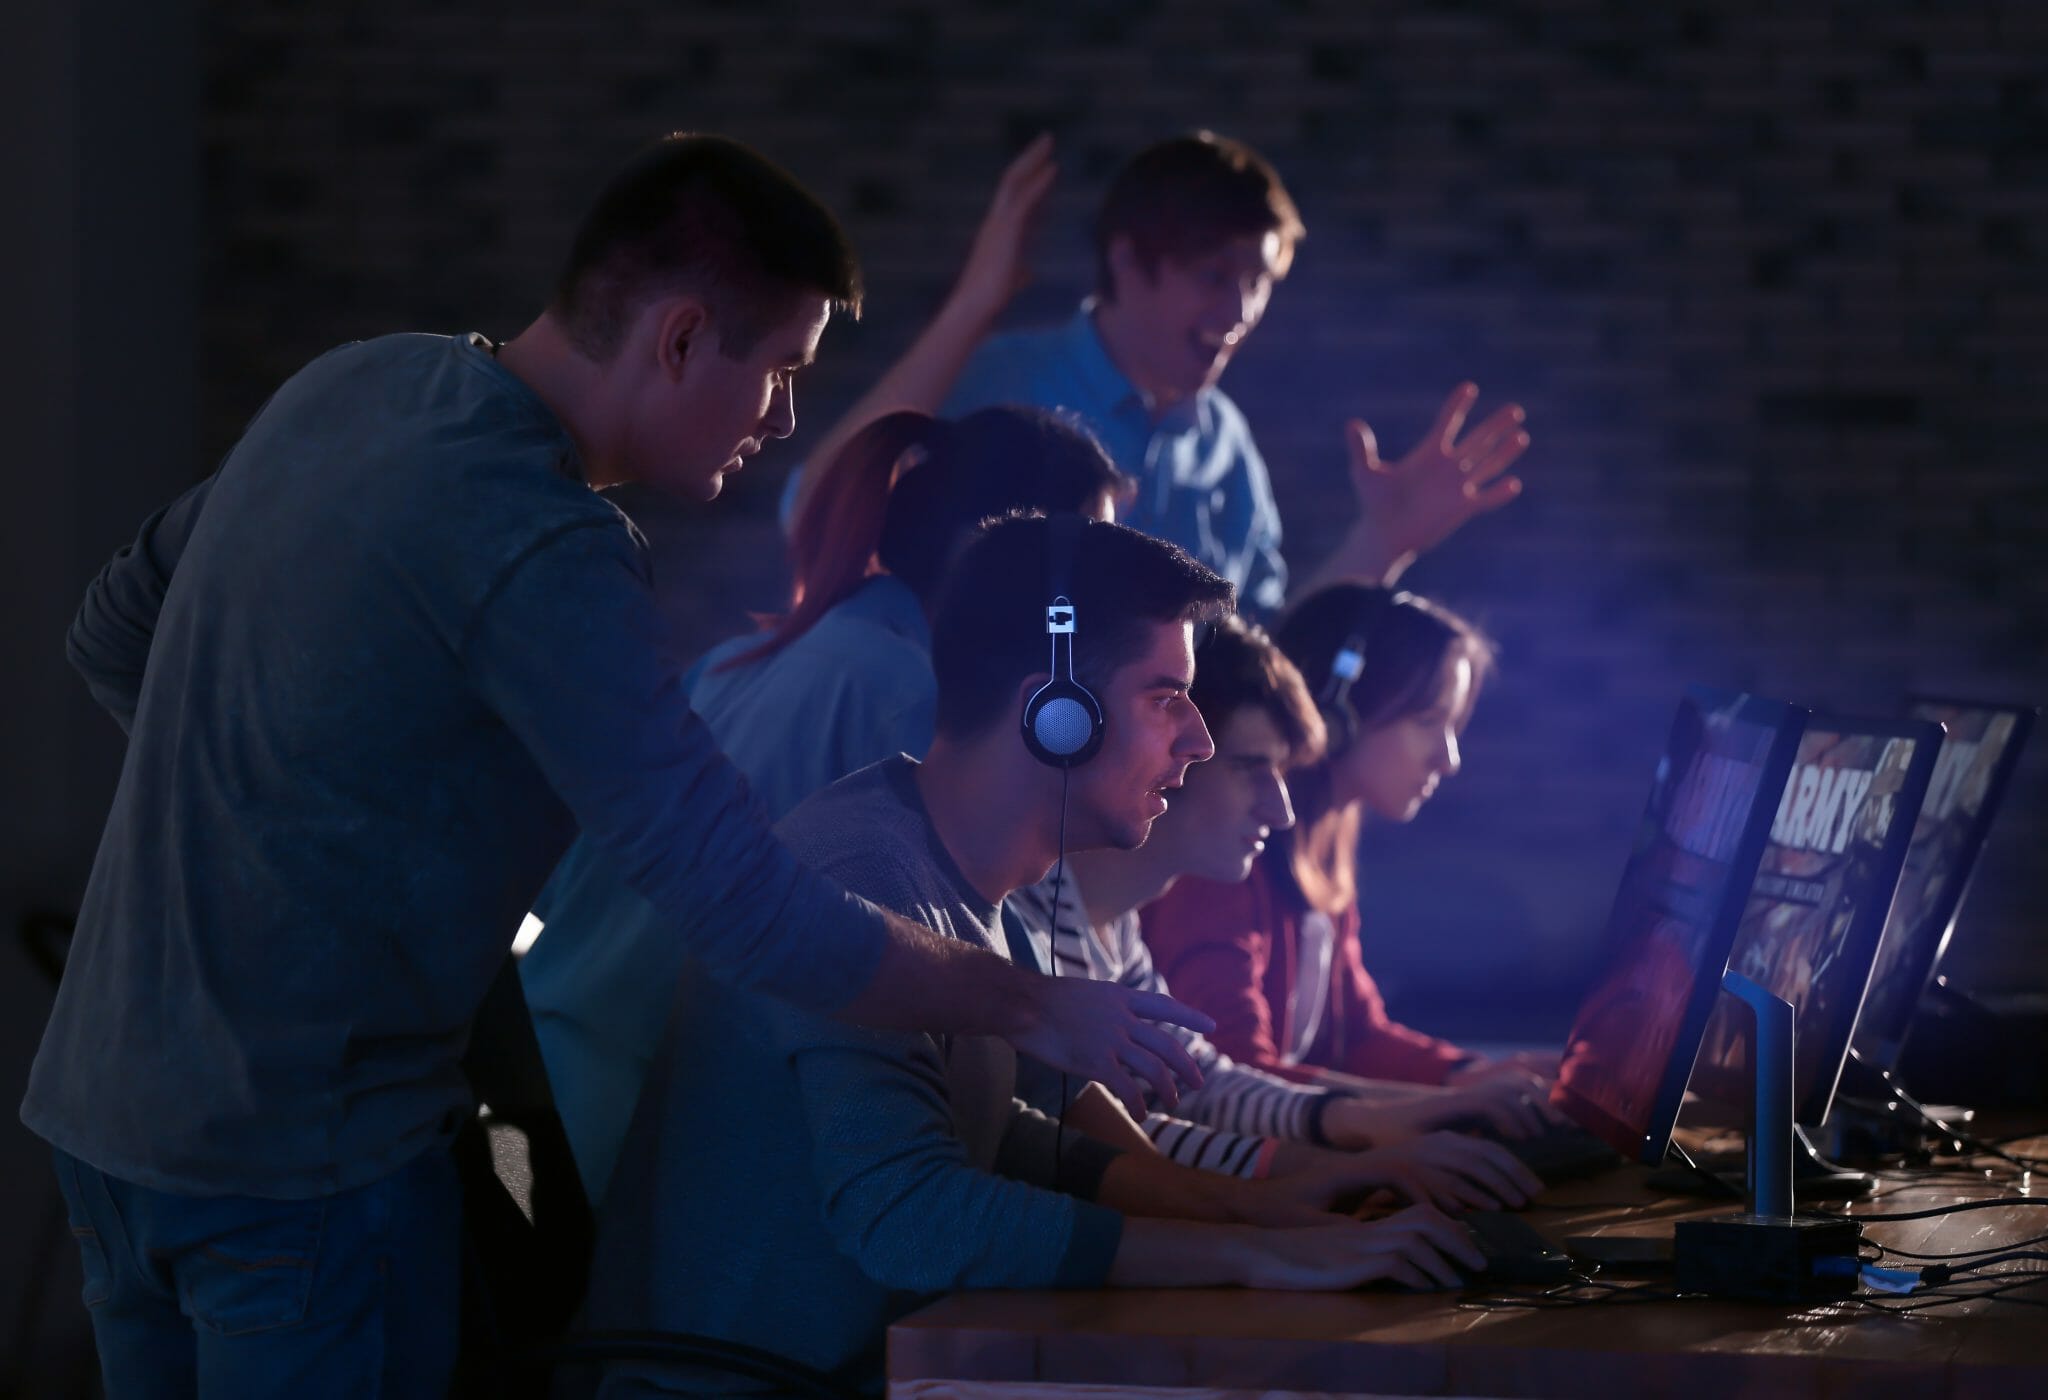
<point x="1417" y="501"/>
<point x="569" y="653"/>
<point x="1092" y="1030"/>
<point x="1419" y="1248"/>
<point x="995" y="270"/>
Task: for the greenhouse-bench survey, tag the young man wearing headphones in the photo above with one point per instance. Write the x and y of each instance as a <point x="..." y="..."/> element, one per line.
<point x="888" y="1167"/>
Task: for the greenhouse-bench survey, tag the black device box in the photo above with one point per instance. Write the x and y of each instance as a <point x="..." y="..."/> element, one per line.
<point x="1773" y="1259"/>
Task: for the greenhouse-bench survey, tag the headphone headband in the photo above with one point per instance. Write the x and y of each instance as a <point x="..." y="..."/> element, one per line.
<point x="1348" y="665"/>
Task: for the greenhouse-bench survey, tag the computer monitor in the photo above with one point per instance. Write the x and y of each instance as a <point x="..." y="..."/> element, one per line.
<point x="1631" y="1047"/>
<point x="1810" y="928"/>
<point x="1970" y="777"/>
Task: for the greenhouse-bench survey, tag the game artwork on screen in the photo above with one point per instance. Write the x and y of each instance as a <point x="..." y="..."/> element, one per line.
<point x="1663" y="920"/>
<point x="1940" y="857"/>
<point x="1823" y="868"/>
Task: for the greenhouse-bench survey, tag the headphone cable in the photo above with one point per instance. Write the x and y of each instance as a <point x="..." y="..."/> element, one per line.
<point x="1052" y="955"/>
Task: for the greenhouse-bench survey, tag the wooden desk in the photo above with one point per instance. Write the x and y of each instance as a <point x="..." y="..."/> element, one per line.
<point x="1244" y="1343"/>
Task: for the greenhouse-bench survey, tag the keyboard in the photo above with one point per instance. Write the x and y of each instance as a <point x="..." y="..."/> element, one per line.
<point x="1561" y="1152"/>
<point x="1516" y="1251"/>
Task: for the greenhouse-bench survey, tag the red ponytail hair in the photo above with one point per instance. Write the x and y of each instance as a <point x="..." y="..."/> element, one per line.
<point x="832" y="546"/>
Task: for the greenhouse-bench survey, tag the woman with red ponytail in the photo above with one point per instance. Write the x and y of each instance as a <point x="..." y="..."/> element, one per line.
<point x="844" y="678"/>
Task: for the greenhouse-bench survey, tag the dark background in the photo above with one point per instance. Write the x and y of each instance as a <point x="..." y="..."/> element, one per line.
<point x="1768" y="279"/>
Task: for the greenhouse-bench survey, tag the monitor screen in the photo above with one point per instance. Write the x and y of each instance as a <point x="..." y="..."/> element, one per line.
<point x="1809" y="930"/>
<point x="1977" y="759"/>
<point x="1696" y="851"/>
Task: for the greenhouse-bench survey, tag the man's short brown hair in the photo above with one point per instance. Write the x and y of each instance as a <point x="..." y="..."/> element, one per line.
<point x="988" y="627"/>
<point x="709" y="216"/>
<point x="1238" y="666"/>
<point x="1188" y="196"/>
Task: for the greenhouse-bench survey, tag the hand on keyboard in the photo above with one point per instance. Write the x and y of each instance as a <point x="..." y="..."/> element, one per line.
<point x="1451" y="1172"/>
<point x="1357" y="1122"/>
<point x="1418" y="1248"/>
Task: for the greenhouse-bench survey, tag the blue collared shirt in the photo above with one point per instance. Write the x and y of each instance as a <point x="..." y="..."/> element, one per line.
<point x="1201" y="481"/>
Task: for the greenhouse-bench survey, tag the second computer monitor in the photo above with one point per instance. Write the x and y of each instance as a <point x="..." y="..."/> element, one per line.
<point x="1810" y="928"/>
<point x="1631" y="1047"/>
<point x="1977" y="759"/>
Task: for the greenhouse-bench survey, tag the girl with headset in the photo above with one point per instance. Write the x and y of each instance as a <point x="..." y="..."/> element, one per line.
<point x="1276" y="959"/>
<point x="844" y="678"/>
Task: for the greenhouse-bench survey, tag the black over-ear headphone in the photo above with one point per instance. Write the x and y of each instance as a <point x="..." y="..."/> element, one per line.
<point x="1340" y="720"/>
<point x="1062" y="719"/>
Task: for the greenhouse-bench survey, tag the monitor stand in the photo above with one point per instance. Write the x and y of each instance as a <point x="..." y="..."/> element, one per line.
<point x="1814" y="1177"/>
<point x="1771" y="1129"/>
<point x="1768" y="1251"/>
<point x="1818" y="1179"/>
<point x="1875" y="1118"/>
<point x="1773" y="1135"/>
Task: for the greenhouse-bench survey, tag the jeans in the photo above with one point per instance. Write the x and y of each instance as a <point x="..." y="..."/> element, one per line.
<point x="354" y="1294"/>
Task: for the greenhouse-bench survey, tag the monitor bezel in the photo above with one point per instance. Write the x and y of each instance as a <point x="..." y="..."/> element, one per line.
<point x="1860" y="942"/>
<point x="1787" y="722"/>
<point x="1878" y="1048"/>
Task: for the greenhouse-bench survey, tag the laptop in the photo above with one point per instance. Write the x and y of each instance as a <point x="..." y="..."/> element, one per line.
<point x="1674" y="920"/>
<point x="1809" y="931"/>
<point x="1970" y="778"/>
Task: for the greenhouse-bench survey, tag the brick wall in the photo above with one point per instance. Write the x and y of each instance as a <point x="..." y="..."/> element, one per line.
<point x="1769" y="280"/>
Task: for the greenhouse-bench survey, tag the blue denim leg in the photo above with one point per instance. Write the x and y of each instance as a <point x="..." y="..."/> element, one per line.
<point x="146" y="1346"/>
<point x="354" y="1294"/>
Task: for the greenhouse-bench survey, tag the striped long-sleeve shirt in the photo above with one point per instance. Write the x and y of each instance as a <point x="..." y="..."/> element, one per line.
<point x="1230" y="1124"/>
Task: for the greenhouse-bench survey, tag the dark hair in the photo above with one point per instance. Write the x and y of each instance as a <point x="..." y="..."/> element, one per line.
<point x="988" y="631"/>
<point x="1238" y="667"/>
<point x="707" y="215"/>
<point x="1406" y="641"/>
<point x="1189" y="195"/>
<point x="908" y="490"/>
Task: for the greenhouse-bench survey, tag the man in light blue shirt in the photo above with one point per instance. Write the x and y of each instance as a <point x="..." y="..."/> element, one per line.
<point x="1200" y="480"/>
<point x="1193" y="236"/>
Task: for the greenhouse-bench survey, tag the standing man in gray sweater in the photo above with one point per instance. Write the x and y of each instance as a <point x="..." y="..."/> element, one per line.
<point x="375" y="672"/>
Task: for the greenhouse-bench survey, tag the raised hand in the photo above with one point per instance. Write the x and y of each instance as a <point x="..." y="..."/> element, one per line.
<point x="998" y="264"/>
<point x="995" y="269"/>
<point x="1416" y="501"/>
<point x="1104" y="1032"/>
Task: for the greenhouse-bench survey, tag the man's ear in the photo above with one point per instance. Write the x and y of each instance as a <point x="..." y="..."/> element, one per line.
<point x="1027" y="688"/>
<point x="682" y="327"/>
<point x="1126" y="268"/>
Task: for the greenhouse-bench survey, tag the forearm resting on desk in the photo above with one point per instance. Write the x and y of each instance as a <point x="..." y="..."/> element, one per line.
<point x="1418" y="1247"/>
